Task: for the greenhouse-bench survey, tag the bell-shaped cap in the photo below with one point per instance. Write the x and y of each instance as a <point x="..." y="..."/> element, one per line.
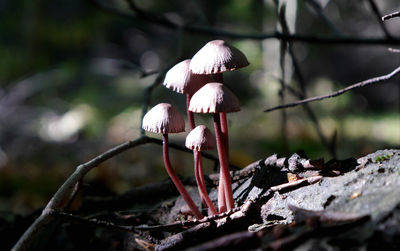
<point x="200" y="139"/>
<point x="217" y="56"/>
<point x="180" y="79"/>
<point x="214" y="98"/>
<point x="163" y="118"/>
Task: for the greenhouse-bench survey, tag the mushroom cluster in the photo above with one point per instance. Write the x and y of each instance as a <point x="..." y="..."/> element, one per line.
<point x="194" y="77"/>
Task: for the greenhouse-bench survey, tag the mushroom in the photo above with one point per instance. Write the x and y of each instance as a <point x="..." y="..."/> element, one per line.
<point x="200" y="139"/>
<point x="216" y="98"/>
<point x="180" y="79"/>
<point x="216" y="57"/>
<point x="164" y="118"/>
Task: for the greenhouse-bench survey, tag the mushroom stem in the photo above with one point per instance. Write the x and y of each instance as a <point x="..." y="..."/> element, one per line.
<point x="225" y="178"/>
<point x="189" y="113"/>
<point x="200" y="182"/>
<point x="224" y="131"/>
<point x="192" y="124"/>
<point x="224" y="124"/>
<point x="182" y="190"/>
<point x="221" y="197"/>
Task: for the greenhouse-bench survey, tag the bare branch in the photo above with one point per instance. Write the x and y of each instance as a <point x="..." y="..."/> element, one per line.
<point x="378" y="15"/>
<point x="340" y="92"/>
<point x="302" y="93"/>
<point x="390" y="16"/>
<point x="57" y="202"/>
<point x="90" y="221"/>
<point x="282" y="56"/>
<point x="317" y="8"/>
<point x="73" y="194"/>
<point x="207" y="30"/>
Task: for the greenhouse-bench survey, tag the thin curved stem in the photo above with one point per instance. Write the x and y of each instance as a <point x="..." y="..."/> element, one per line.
<point x="225" y="178"/>
<point x="200" y="182"/>
<point x="224" y="131"/>
<point x="192" y="125"/>
<point x="182" y="190"/>
<point x="221" y="196"/>
<point x="189" y="113"/>
<point x="225" y="137"/>
<point x="198" y="177"/>
<point x="224" y="123"/>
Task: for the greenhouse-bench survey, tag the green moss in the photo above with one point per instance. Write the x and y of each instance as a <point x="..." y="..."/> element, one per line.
<point x="382" y="158"/>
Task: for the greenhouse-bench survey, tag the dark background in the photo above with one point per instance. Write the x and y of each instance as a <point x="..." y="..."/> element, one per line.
<point x="73" y="76"/>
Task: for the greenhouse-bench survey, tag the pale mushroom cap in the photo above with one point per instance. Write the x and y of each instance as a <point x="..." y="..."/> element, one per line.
<point x="180" y="79"/>
<point x="217" y="56"/>
<point x="200" y="139"/>
<point x="163" y="118"/>
<point x="214" y="98"/>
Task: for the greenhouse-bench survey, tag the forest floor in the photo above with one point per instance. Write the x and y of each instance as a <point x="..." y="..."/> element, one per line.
<point x="282" y="204"/>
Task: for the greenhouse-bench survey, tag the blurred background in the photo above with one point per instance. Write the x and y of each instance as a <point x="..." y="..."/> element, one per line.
<point x="73" y="76"/>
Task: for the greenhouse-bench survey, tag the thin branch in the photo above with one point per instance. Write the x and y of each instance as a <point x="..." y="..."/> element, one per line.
<point x="317" y="8"/>
<point x="57" y="202"/>
<point x="210" y="31"/>
<point x="340" y="92"/>
<point x="285" y="187"/>
<point x="148" y="91"/>
<point x="73" y="194"/>
<point x="96" y="222"/>
<point x="378" y="16"/>
<point x="302" y="93"/>
<point x="282" y="60"/>
<point x="390" y="16"/>
<point x="146" y="98"/>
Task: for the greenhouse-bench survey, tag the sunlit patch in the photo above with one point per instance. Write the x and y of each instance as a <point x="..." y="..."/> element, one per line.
<point x="64" y="127"/>
<point x="149" y="61"/>
<point x="124" y="126"/>
<point x="105" y="66"/>
<point x="386" y="129"/>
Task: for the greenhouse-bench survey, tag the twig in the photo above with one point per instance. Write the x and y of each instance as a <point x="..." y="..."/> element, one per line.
<point x="146" y="98"/>
<point x="243" y="240"/>
<point x="95" y="222"/>
<point x="390" y="16"/>
<point x="57" y="202"/>
<point x="186" y="224"/>
<point x="302" y="93"/>
<point x="74" y="192"/>
<point x="148" y="91"/>
<point x="210" y="31"/>
<point x="282" y="61"/>
<point x="296" y="184"/>
<point x="339" y="92"/>
<point x="317" y="7"/>
<point x="378" y="15"/>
